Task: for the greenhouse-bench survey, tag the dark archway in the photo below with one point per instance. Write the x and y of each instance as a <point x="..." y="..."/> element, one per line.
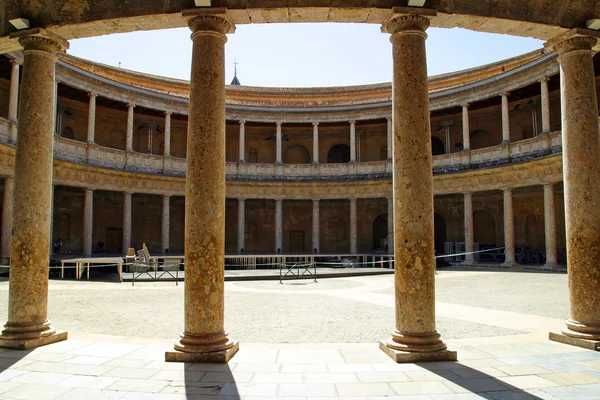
<point x="437" y="146"/>
<point x="380" y="232"/>
<point x="439" y="233"/>
<point x="484" y="228"/>
<point x="253" y="156"/>
<point x="296" y="154"/>
<point x="480" y="139"/>
<point x="338" y="154"/>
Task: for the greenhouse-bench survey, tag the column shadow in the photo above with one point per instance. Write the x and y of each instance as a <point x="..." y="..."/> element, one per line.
<point x="203" y="380"/>
<point x="477" y="382"/>
<point x="8" y="359"/>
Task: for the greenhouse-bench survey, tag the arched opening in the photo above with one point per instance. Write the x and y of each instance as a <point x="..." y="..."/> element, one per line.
<point x="437" y="146"/>
<point x="68" y="133"/>
<point x="296" y="154"/>
<point x="383" y="153"/>
<point x="338" y="154"/>
<point x="484" y="228"/>
<point x="253" y="156"/>
<point x="380" y="233"/>
<point x="439" y="232"/>
<point x="480" y="139"/>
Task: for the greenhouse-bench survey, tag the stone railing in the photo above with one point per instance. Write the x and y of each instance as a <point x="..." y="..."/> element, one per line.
<point x="95" y="155"/>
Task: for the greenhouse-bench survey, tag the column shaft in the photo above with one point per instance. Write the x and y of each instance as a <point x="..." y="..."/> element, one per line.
<point x="278" y="159"/>
<point x="550" y="225"/>
<point x="7" y="213"/>
<point x="91" y="128"/>
<point x="316" y="228"/>
<point x="204" y="337"/>
<point x="352" y="141"/>
<point x="241" y="239"/>
<point x="14" y="91"/>
<point x="315" y="142"/>
<point x="509" y="228"/>
<point x="126" y="221"/>
<point x="353" y="227"/>
<point x="242" y="141"/>
<point x="88" y="221"/>
<point x="166" y="223"/>
<point x="469" y="258"/>
<point x="466" y="130"/>
<point x="129" y="138"/>
<point x="545" y="104"/>
<point x="278" y="226"/>
<point x="390" y="139"/>
<point x="167" y="150"/>
<point x="505" y="119"/>
<point x="27" y="324"/>
<point x="390" y="224"/>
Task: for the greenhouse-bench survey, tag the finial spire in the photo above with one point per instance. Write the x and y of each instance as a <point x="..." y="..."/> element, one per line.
<point x="235" y="80"/>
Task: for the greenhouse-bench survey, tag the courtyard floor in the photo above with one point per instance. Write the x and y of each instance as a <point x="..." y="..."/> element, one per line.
<point x="304" y="340"/>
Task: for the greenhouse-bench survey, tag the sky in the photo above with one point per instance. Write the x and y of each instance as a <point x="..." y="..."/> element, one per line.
<point x="300" y="55"/>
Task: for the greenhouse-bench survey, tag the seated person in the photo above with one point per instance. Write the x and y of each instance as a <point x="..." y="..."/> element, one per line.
<point x="100" y="247"/>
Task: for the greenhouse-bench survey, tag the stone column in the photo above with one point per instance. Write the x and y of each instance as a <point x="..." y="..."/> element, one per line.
<point x="545" y="99"/>
<point x="127" y="221"/>
<point x="91" y="118"/>
<point x="315" y="142"/>
<point x="470" y="257"/>
<point x="316" y="227"/>
<point x="550" y="225"/>
<point x="28" y="325"/>
<point x="352" y="141"/>
<point x="7" y="212"/>
<point x="278" y="226"/>
<point x="204" y="338"/>
<point x="446" y="125"/>
<point x="129" y="139"/>
<point x="581" y="163"/>
<point x="167" y="150"/>
<point x="390" y="140"/>
<point x="278" y="144"/>
<point x="465" y="126"/>
<point x="166" y="222"/>
<point x="88" y="222"/>
<point x="353" y="227"/>
<point x="13" y="98"/>
<point x="415" y="337"/>
<point x="509" y="229"/>
<point x="242" y="141"/>
<point x="505" y="118"/>
<point x="241" y="239"/>
<point x="390" y="224"/>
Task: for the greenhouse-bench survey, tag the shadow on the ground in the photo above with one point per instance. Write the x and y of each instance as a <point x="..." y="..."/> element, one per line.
<point x="8" y="358"/>
<point x="477" y="382"/>
<point x="202" y="380"/>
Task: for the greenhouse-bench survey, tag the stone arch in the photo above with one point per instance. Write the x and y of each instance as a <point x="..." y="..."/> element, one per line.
<point x="437" y="146"/>
<point x="296" y="154"/>
<point x="379" y="230"/>
<point x="480" y="139"/>
<point x="484" y="228"/>
<point x="440" y="232"/>
<point x="253" y="156"/>
<point x="338" y="154"/>
<point x="68" y="133"/>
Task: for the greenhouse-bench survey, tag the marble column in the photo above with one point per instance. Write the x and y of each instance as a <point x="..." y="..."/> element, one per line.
<point x="545" y="104"/>
<point x="465" y="127"/>
<point x="166" y="223"/>
<point x="28" y="325"/>
<point x="505" y="118"/>
<point x="278" y="145"/>
<point x="241" y="239"/>
<point x="13" y="99"/>
<point x="352" y="141"/>
<point x="88" y="222"/>
<point x="167" y="150"/>
<point x="127" y="197"/>
<point x="278" y="226"/>
<point x="353" y="227"/>
<point x="581" y="163"/>
<point x="204" y="338"/>
<point x="315" y="142"/>
<point x="242" y="141"/>
<point x="550" y="225"/>
<point x="91" y="128"/>
<point x="316" y="227"/>
<point x="129" y="138"/>
<point x="7" y="212"/>
<point x="390" y="138"/>
<point x="470" y="257"/>
<point x="509" y="229"/>
<point x="390" y="224"/>
<point x="415" y="337"/>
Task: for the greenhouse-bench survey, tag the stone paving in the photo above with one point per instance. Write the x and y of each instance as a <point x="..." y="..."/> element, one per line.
<point x="510" y="359"/>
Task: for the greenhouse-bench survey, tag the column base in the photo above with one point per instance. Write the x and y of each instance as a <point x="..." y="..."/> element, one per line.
<point x="213" y="357"/>
<point x="26" y="344"/>
<point x="412" y="357"/>
<point x="551" y="266"/>
<point x="508" y="264"/>
<point x="573" y="341"/>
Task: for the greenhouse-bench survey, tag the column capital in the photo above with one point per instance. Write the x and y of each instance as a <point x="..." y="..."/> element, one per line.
<point x="388" y="119"/>
<point x="168" y="113"/>
<point x="241" y="199"/>
<point x="465" y="105"/>
<point x="507" y="190"/>
<point x="353" y="200"/>
<point x="504" y="94"/>
<point x="352" y="122"/>
<point x="39" y="39"/>
<point x="131" y="106"/>
<point x="127" y="192"/>
<point x="242" y="121"/>
<point x="577" y="39"/>
<point x="92" y="94"/>
<point x="315" y="123"/>
<point x="407" y="20"/>
<point x="215" y="20"/>
<point x="279" y="123"/>
<point x="544" y="79"/>
<point x="89" y="189"/>
<point x="14" y="61"/>
<point x="166" y="196"/>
